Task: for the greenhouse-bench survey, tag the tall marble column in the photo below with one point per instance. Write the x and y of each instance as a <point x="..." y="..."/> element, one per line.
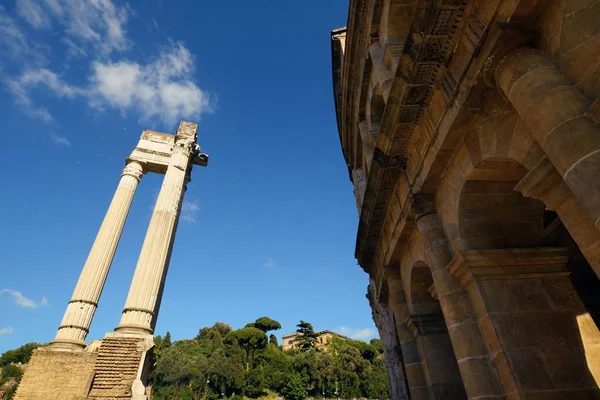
<point x="555" y="111"/>
<point x="478" y="374"/>
<point x="82" y="306"/>
<point x="143" y="300"/>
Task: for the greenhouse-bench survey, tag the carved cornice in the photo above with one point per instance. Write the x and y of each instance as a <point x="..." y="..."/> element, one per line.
<point x="427" y="49"/>
<point x="359" y="21"/>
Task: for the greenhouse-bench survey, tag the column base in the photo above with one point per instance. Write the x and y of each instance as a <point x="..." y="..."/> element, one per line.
<point x="138" y="330"/>
<point x="66" y="345"/>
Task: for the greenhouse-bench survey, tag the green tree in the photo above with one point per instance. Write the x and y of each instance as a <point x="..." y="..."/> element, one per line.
<point x="307" y="337"/>
<point x="249" y="339"/>
<point x="273" y="340"/>
<point x="295" y="388"/>
<point x="208" y="332"/>
<point x="378" y="344"/>
<point x="267" y="324"/>
<point x="19" y="355"/>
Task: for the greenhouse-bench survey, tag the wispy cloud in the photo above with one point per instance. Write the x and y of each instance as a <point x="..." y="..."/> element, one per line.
<point x="98" y="24"/>
<point x="357" y="334"/>
<point x="162" y="88"/>
<point x="189" y="211"/>
<point x="60" y="140"/>
<point x="270" y="263"/>
<point x="32" y="12"/>
<point x="23" y="301"/>
<point x="6" y="331"/>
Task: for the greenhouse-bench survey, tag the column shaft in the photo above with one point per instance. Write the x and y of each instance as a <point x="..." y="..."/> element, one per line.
<point x="82" y="306"/>
<point x="555" y="111"/>
<point x="415" y="377"/>
<point x="143" y="300"/>
<point x="478" y="375"/>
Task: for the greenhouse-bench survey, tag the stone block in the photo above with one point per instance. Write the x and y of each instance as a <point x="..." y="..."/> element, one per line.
<point x="567" y="368"/>
<point x="57" y="375"/>
<point x="529" y="369"/>
<point x="467" y="341"/>
<point x="479" y="378"/>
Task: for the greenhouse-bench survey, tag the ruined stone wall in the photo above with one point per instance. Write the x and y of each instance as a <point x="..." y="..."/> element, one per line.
<point x="57" y="375"/>
<point x="385" y="325"/>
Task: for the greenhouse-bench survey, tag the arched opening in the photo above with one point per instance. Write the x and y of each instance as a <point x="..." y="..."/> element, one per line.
<point x="427" y="324"/>
<point x="539" y="297"/>
<point x="492" y="215"/>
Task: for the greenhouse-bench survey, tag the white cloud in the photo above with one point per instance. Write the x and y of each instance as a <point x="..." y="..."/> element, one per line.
<point x="23" y="301"/>
<point x="33" y="78"/>
<point x="357" y="334"/>
<point x="270" y="263"/>
<point x="6" y="331"/>
<point x="189" y="211"/>
<point x="163" y="88"/>
<point x="60" y="140"/>
<point x="32" y="12"/>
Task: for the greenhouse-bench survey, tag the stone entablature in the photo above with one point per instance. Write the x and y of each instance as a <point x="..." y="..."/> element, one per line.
<point x="476" y="130"/>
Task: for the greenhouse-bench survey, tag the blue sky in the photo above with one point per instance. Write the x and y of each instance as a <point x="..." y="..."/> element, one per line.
<point x="268" y="228"/>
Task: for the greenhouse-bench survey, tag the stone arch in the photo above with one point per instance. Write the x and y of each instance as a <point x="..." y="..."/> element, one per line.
<point x="420" y="298"/>
<point x="492" y="215"/>
<point x="496" y="153"/>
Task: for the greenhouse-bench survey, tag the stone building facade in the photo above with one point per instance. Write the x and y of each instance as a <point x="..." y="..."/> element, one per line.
<point x="289" y="340"/>
<point x="471" y="133"/>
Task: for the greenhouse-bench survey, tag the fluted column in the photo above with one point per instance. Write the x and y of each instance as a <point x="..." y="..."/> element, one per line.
<point x="478" y="375"/>
<point x="82" y="306"/>
<point x="143" y="300"/>
<point x="555" y="110"/>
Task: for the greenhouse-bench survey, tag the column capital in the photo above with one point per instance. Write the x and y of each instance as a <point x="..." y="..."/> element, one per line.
<point x="512" y="38"/>
<point x="543" y="182"/>
<point x="422" y="205"/>
<point x="135" y="169"/>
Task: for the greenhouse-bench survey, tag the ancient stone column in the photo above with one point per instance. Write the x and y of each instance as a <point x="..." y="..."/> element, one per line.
<point x="555" y="110"/>
<point x="478" y="374"/>
<point x="393" y="361"/>
<point x="143" y="300"/>
<point x="417" y="384"/>
<point x="82" y="306"/>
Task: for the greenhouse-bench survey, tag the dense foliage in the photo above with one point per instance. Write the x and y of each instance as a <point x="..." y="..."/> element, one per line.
<point x="222" y="362"/>
<point x="10" y="371"/>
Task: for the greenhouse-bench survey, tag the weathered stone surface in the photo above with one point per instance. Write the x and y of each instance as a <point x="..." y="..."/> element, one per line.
<point x="57" y="375"/>
<point x="502" y="139"/>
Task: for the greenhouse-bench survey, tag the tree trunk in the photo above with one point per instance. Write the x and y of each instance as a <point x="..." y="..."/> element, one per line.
<point x="393" y="362"/>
